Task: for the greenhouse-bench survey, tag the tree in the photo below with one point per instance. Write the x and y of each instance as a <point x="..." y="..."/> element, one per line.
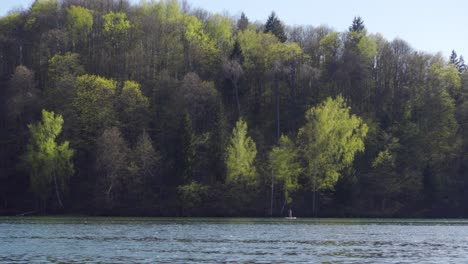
<point x="93" y="107"/>
<point x="258" y="59"/>
<point x="62" y="73"/>
<point x="132" y="108"/>
<point x="52" y="42"/>
<point x="200" y="100"/>
<point x="200" y="48"/>
<point x="146" y="159"/>
<point x="23" y="96"/>
<point x="144" y="182"/>
<point x="243" y="22"/>
<point x="220" y="29"/>
<point x="115" y="28"/>
<point x="112" y="163"/>
<point x="383" y="184"/>
<point x="79" y="23"/>
<point x="432" y="142"/>
<point x="458" y="62"/>
<point x="191" y="196"/>
<point x="329" y="48"/>
<point x="283" y="60"/>
<point x="47" y="161"/>
<point x="240" y="157"/>
<point x="357" y="25"/>
<point x="275" y="27"/>
<point x="285" y="167"/>
<point x="116" y="31"/>
<point x="453" y="58"/>
<point x="445" y="77"/>
<point x="329" y="141"/>
<point x="184" y="148"/>
<point x="233" y="72"/>
<point x="357" y="65"/>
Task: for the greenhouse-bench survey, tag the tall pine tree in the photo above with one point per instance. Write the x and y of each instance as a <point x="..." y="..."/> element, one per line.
<point x="275" y="27"/>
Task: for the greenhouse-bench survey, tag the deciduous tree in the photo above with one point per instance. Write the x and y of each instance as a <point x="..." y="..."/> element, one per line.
<point x="48" y="162"/>
<point x="240" y="157"/>
<point x="79" y="24"/>
<point x="93" y="108"/>
<point x="285" y="167"/>
<point x="329" y="141"/>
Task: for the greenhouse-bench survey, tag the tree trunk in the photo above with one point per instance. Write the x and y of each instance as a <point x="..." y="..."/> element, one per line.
<point x="272" y="192"/>
<point x="282" y="208"/>
<point x="21" y="54"/>
<point x="278" y="130"/>
<point x="109" y="190"/>
<point x="57" y="192"/>
<point x="236" y="88"/>
<point x="314" y="213"/>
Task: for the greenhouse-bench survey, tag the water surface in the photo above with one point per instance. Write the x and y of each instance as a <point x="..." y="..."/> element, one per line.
<point x="231" y="240"/>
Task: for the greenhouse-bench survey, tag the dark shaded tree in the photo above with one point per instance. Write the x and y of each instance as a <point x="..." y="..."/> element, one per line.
<point x="275" y="27"/>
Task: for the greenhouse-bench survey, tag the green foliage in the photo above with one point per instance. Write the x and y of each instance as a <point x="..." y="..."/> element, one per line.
<point x="62" y="73"/>
<point x="384" y="157"/>
<point x="200" y="44"/>
<point x="285" y="166"/>
<point x="329" y="46"/>
<point x="46" y="160"/>
<point x="435" y="128"/>
<point x="9" y="21"/>
<point x="220" y="29"/>
<point x="240" y="157"/>
<point x="284" y="53"/>
<point x="192" y="196"/>
<point x="41" y="12"/>
<point x="79" y="22"/>
<point x="387" y="157"/>
<point x="447" y="77"/>
<point x="116" y="28"/>
<point x="93" y="106"/>
<point x="64" y="65"/>
<point x="44" y="5"/>
<point x="116" y="23"/>
<point x="171" y="11"/>
<point x="132" y="108"/>
<point x="367" y="47"/>
<point x="329" y="141"/>
<point x="256" y="49"/>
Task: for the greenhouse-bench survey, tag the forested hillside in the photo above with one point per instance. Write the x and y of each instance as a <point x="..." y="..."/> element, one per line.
<point x="162" y="109"/>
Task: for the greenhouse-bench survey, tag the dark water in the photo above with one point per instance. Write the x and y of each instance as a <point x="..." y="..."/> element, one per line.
<point x="159" y="240"/>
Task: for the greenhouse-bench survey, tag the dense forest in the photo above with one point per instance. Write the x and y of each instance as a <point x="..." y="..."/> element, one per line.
<point x="162" y="109"/>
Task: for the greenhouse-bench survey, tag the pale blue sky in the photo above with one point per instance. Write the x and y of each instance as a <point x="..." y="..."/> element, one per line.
<point x="427" y="25"/>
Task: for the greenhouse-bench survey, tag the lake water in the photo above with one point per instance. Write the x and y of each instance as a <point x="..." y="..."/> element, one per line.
<point x="163" y="240"/>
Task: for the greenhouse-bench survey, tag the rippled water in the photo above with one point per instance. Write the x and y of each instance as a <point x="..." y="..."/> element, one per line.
<point x="161" y="240"/>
